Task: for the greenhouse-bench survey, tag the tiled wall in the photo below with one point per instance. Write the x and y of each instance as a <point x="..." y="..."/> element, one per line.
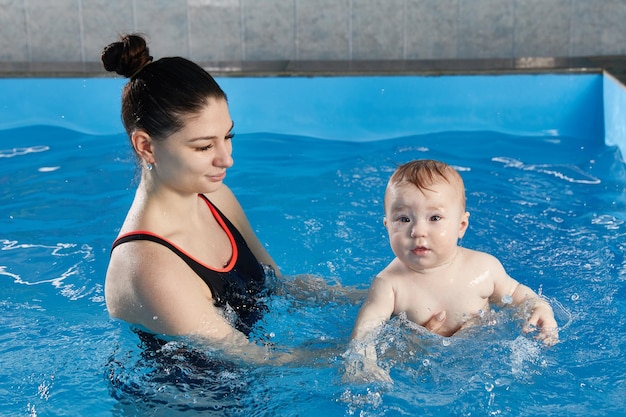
<point x="34" y="31"/>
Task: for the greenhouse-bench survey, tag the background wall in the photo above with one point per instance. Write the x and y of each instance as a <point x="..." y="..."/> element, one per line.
<point x="70" y="34"/>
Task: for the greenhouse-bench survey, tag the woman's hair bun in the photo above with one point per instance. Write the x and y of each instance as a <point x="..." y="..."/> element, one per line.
<point x="127" y="56"/>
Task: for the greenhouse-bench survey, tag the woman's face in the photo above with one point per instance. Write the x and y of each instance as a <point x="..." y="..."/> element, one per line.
<point x="195" y="159"/>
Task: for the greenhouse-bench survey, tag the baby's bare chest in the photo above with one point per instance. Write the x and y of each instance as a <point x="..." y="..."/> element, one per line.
<point x="461" y="300"/>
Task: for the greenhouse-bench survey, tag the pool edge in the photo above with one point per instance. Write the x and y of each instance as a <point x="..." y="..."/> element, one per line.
<point x="616" y="65"/>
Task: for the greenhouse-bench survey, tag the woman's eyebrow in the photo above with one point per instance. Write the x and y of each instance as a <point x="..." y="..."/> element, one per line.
<point x="232" y="126"/>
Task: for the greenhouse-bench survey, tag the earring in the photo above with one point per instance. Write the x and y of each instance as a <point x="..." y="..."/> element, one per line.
<point x="149" y="166"/>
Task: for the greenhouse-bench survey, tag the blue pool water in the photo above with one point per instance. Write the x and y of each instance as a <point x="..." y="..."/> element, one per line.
<point x="547" y="198"/>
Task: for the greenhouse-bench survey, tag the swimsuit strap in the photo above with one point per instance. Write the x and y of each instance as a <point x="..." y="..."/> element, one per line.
<point x="208" y="274"/>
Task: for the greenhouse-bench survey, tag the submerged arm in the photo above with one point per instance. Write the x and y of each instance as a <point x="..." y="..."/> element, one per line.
<point x="378" y="307"/>
<point x="541" y="315"/>
<point x="148" y="285"/>
<point x="361" y="358"/>
<point x="520" y="295"/>
<point x="375" y="311"/>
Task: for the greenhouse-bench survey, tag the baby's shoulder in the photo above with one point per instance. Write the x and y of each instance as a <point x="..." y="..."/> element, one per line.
<point x="395" y="279"/>
<point x="473" y="259"/>
<point x="476" y="256"/>
<point x="393" y="272"/>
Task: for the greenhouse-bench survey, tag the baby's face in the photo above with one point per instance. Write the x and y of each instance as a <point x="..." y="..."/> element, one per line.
<point x="424" y="225"/>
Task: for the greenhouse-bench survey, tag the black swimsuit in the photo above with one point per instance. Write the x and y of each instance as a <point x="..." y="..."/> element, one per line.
<point x="237" y="285"/>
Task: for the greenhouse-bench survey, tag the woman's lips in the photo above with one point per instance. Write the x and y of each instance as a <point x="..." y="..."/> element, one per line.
<point x="218" y="177"/>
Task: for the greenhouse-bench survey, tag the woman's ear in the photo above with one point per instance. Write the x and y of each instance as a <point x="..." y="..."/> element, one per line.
<point x="463" y="225"/>
<point x="142" y="143"/>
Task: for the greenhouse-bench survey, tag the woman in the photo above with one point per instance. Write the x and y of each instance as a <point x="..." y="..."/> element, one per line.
<point x="186" y="261"/>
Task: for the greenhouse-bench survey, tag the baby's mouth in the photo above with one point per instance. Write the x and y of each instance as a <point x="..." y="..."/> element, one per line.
<point x="420" y="250"/>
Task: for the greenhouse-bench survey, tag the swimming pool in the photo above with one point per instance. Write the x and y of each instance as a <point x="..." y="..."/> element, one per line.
<point x="545" y="176"/>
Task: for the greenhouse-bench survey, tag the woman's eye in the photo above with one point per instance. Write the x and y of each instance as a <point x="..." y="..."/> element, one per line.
<point x="230" y="136"/>
<point x="204" y="148"/>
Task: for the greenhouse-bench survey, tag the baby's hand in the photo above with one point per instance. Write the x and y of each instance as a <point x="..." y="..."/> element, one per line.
<point x="362" y="370"/>
<point x="542" y="317"/>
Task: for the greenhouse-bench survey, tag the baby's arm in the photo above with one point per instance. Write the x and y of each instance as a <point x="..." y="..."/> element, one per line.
<point x="541" y="315"/>
<point x="376" y="309"/>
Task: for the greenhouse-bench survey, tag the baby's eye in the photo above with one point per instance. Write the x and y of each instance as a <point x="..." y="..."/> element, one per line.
<point x="435" y="218"/>
<point x="403" y="219"/>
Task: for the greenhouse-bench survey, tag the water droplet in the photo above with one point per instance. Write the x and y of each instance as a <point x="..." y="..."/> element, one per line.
<point x="446" y="342"/>
<point x="507" y="299"/>
<point x="575" y="297"/>
<point x="488" y="386"/>
<point x="155" y="317"/>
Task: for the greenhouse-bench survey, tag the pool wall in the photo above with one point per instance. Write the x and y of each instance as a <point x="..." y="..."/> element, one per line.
<point x="64" y="35"/>
<point x="355" y="108"/>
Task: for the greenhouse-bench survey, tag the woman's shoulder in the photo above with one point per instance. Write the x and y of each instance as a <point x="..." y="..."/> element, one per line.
<point x="226" y="202"/>
<point x="223" y="198"/>
<point x="143" y="269"/>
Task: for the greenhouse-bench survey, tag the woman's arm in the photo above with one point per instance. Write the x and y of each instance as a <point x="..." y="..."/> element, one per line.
<point x="148" y="285"/>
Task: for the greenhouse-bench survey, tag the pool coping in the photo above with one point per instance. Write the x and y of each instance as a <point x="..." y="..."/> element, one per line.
<point x="615" y="65"/>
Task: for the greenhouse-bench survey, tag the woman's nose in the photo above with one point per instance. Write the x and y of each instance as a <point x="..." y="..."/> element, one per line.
<point x="224" y="155"/>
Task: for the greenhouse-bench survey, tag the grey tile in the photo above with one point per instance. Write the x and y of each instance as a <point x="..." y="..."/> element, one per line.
<point x="542" y="28"/>
<point x="165" y="24"/>
<point x="431" y="29"/>
<point x="215" y="30"/>
<point x="269" y="29"/>
<point x="54" y="28"/>
<point x="323" y="29"/>
<point x="485" y="29"/>
<point x="8" y="68"/>
<point x="378" y="29"/>
<point x="598" y="27"/>
<point x="13" y="33"/>
<point x="103" y="22"/>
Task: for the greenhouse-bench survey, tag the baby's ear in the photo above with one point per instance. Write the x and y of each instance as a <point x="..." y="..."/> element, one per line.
<point x="385" y="221"/>
<point x="463" y="224"/>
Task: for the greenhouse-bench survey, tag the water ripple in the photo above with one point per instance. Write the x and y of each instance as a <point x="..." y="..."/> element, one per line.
<point x="10" y="153"/>
<point x="569" y="173"/>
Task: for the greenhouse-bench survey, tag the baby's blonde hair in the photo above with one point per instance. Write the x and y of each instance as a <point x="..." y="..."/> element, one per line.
<point x="425" y="172"/>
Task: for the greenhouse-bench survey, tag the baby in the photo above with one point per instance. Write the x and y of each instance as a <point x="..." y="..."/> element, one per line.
<point x="432" y="280"/>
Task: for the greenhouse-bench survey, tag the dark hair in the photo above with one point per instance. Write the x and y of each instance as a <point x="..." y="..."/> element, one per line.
<point x="160" y="94"/>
